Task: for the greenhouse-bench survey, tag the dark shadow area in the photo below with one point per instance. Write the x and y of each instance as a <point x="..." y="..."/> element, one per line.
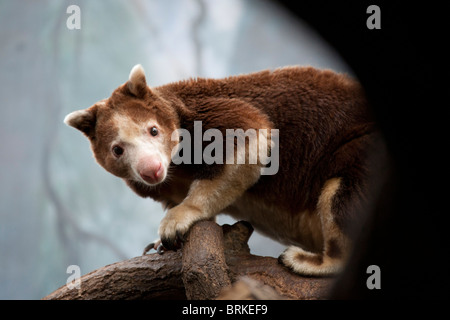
<point x="398" y="66"/>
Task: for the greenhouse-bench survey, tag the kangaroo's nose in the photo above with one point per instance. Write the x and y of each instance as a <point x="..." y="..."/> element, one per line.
<point x="151" y="171"/>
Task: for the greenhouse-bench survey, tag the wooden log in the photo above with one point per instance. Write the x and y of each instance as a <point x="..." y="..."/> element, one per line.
<point x="211" y="259"/>
<point x="151" y="276"/>
<point x="204" y="271"/>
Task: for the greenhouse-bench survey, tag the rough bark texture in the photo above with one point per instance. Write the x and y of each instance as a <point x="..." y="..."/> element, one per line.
<point x="211" y="260"/>
<point x="151" y="276"/>
<point x="204" y="271"/>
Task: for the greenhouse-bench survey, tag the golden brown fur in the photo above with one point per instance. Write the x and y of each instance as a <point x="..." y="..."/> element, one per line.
<point x="325" y="136"/>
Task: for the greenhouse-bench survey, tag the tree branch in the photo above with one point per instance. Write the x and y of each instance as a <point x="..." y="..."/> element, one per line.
<point x="211" y="259"/>
<point x="204" y="270"/>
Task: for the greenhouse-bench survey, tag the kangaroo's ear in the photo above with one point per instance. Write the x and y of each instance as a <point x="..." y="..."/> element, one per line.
<point x="137" y="83"/>
<point x="83" y="120"/>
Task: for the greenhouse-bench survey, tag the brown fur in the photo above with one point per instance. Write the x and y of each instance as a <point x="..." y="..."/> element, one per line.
<point x="325" y="133"/>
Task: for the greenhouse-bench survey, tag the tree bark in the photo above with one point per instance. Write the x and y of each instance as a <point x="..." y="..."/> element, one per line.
<point x="204" y="270"/>
<point x="211" y="259"/>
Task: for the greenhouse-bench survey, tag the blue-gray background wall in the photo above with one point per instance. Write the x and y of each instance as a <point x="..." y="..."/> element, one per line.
<point x="57" y="206"/>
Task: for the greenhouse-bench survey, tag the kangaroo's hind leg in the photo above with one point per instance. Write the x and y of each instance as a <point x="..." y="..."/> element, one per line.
<point x="341" y="206"/>
<point x="335" y="246"/>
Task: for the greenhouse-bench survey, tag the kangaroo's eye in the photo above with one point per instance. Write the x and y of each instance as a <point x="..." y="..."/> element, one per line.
<point x="117" y="151"/>
<point x="154" y="131"/>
